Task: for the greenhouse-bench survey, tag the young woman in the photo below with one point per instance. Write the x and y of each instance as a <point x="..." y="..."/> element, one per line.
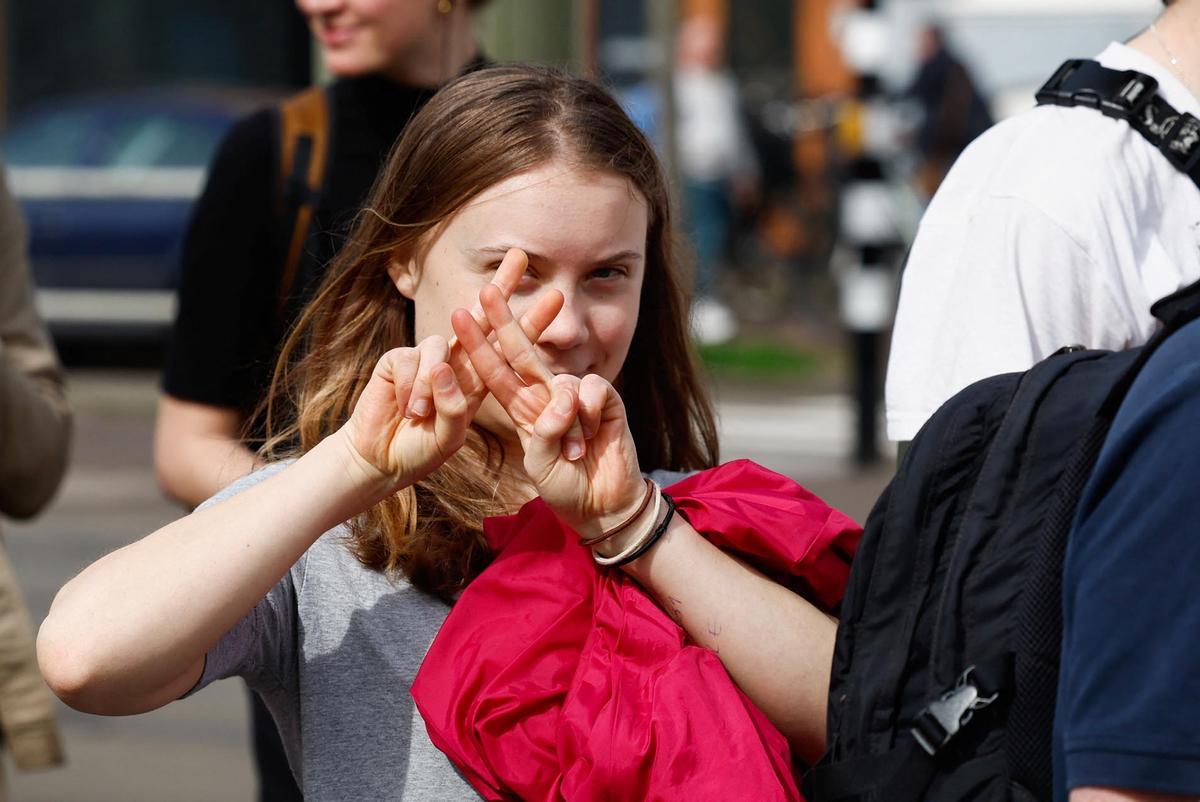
<point x="254" y="237"/>
<point x="528" y="196"/>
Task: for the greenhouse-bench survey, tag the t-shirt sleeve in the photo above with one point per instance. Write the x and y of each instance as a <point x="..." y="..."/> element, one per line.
<point x="229" y="275"/>
<point x="261" y="647"/>
<point x="1129" y="694"/>
<point x="992" y="286"/>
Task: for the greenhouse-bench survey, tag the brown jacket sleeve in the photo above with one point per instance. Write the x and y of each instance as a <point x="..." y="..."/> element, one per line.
<point x="34" y="420"/>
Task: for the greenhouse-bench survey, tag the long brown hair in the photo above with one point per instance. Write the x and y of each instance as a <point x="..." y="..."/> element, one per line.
<point x="477" y="131"/>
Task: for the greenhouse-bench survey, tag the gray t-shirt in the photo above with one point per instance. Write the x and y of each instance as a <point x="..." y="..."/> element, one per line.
<point x="333" y="650"/>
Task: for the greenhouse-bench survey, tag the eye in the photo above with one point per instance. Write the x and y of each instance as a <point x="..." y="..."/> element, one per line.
<point x="609" y="272"/>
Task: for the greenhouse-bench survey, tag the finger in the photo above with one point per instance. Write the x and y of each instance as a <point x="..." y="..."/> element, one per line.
<point x="399" y="367"/>
<point x="594" y="394"/>
<point x="489" y="366"/>
<point x="538" y="317"/>
<point x="433" y="351"/>
<point x="517" y="347"/>
<point x="533" y="323"/>
<point x="574" y="445"/>
<point x="452" y="410"/>
<point x="545" y="446"/>
<point x="508" y="276"/>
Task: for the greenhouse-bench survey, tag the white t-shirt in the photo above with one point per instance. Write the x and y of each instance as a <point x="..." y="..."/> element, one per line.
<point x="1057" y="227"/>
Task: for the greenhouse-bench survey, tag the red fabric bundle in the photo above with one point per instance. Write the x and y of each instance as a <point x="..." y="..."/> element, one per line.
<point x="555" y="679"/>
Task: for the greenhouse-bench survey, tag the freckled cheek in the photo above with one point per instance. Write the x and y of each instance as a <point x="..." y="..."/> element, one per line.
<point x="613" y="328"/>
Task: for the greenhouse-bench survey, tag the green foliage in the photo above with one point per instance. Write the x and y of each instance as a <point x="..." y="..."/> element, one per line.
<point x="758" y="359"/>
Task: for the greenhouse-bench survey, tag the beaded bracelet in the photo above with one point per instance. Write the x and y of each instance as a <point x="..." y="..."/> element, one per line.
<point x="644" y="543"/>
<point x="621" y="527"/>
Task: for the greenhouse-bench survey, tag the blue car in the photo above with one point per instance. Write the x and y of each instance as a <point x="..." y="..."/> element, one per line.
<point x="107" y="183"/>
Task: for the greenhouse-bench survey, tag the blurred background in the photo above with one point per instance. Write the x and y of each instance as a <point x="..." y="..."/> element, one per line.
<point x="803" y="138"/>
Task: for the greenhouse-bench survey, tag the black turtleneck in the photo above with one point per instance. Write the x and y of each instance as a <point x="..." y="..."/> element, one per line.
<point x="227" y="333"/>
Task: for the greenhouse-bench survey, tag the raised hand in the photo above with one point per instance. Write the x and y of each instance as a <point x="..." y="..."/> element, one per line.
<point x="591" y="483"/>
<point x="415" y="410"/>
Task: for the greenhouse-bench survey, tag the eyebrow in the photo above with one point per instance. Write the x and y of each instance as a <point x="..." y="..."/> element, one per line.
<point x="500" y="250"/>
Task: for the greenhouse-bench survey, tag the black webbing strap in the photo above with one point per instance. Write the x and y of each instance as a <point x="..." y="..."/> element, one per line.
<point x="1131" y="96"/>
<point x="904" y="773"/>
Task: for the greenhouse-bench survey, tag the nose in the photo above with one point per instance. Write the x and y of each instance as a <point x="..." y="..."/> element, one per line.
<point x="570" y="328"/>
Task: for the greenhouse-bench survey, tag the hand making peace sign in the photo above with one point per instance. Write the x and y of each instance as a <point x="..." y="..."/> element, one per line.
<point x="589" y="488"/>
<point x="416" y="408"/>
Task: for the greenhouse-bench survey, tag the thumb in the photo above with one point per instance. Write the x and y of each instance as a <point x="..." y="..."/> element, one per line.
<point x="544" y="448"/>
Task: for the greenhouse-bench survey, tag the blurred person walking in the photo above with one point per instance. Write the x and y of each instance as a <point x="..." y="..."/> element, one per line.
<point x="1058" y="227"/>
<point x="282" y="191"/>
<point x="717" y="161"/>
<point x="35" y="426"/>
<point x="955" y="113"/>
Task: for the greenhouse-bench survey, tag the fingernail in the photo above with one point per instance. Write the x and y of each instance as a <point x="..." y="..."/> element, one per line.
<point x="444" y="380"/>
<point x="574" y="451"/>
<point x="562" y="402"/>
<point x="420" y="408"/>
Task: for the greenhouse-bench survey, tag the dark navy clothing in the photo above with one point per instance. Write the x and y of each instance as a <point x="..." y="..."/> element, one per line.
<point x="1129" y="692"/>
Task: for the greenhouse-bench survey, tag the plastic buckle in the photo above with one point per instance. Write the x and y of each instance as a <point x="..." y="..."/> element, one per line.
<point x="1052" y="91"/>
<point x="943" y="718"/>
<point x="1127" y="102"/>
<point x="1121" y="95"/>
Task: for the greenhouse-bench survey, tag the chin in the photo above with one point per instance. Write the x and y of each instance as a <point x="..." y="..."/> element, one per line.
<point x="348" y="65"/>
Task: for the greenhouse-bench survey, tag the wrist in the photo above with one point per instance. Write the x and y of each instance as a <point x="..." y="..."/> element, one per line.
<point x="613" y="525"/>
<point x="645" y="537"/>
<point x="365" y="481"/>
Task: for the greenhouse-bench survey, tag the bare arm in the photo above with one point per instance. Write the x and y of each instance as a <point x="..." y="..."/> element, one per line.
<point x="776" y="646"/>
<point x="197" y="449"/>
<point x="130" y="632"/>
<point x="1115" y="795"/>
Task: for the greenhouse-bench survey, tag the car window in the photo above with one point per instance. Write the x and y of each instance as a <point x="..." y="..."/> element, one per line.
<point x="163" y="141"/>
<point x="114" y="138"/>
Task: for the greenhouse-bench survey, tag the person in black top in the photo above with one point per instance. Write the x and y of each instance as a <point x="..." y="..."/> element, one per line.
<point x="388" y="57"/>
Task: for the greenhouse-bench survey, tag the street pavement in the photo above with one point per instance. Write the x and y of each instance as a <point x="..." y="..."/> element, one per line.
<point x="197" y="749"/>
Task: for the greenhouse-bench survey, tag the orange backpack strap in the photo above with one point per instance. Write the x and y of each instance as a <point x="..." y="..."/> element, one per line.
<point x="304" y="146"/>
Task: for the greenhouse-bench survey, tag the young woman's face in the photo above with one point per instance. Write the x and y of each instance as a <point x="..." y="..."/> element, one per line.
<point x="585" y="234"/>
<point x="365" y="36"/>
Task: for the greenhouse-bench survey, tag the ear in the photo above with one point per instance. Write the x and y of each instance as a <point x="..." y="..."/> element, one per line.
<point x="403" y="272"/>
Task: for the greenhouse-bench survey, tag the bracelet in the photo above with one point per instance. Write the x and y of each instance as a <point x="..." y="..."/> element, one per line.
<point x="646" y="530"/>
<point x="647" y="541"/>
<point x="621" y="527"/>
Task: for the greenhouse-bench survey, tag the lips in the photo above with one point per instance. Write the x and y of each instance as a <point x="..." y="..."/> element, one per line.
<point x="336" y="35"/>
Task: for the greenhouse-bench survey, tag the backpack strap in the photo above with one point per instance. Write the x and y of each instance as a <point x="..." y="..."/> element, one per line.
<point x="1131" y="96"/>
<point x="903" y="774"/>
<point x="304" y="145"/>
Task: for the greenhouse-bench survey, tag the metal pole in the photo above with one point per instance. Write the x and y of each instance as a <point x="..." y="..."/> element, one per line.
<point x="867" y="284"/>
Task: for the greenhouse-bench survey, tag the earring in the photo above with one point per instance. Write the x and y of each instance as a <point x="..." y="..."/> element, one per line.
<point x="445" y="6"/>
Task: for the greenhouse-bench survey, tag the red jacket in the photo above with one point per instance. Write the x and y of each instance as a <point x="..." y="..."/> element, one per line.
<point x="555" y="679"/>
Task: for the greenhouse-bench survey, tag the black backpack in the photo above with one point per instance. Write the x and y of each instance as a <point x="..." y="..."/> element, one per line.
<point x="945" y="669"/>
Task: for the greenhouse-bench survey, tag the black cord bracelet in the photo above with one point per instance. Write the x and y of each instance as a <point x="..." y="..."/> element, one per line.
<point x="659" y="531"/>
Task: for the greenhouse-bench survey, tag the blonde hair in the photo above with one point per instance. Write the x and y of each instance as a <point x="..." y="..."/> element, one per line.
<point x="477" y="131"/>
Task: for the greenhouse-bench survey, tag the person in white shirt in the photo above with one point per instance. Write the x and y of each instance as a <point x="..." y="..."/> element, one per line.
<point x="1057" y="227"/>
